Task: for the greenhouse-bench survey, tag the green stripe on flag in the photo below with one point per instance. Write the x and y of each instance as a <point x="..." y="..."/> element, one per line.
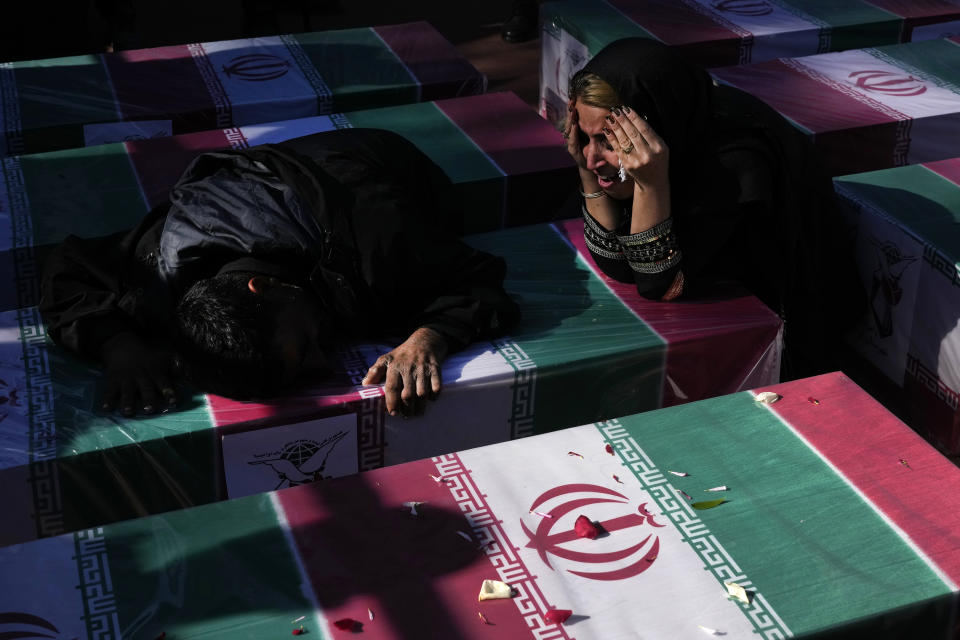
<point x="595" y="24"/>
<point x="852" y="25"/>
<point x="90" y="192"/>
<point x="582" y="340"/>
<point x="479" y="182"/>
<point x="921" y="201"/>
<point x="83" y="95"/>
<point x="815" y="550"/>
<point x="432" y="131"/>
<point x="225" y="571"/>
<point x="358" y="68"/>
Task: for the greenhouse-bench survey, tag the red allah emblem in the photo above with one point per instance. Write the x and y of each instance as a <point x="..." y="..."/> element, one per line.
<point x="888" y="82"/>
<point x="16" y="624"/>
<point x="257" y="67"/>
<point x="743" y="7"/>
<point x="548" y="543"/>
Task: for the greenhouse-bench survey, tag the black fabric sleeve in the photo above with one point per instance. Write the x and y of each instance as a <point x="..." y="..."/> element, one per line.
<point x="474" y="305"/>
<point x="85" y="296"/>
<point x="81" y="293"/>
<point x="650" y="259"/>
<point x="654" y="257"/>
<point x="605" y="249"/>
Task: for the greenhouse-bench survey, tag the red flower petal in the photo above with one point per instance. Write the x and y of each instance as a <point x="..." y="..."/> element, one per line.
<point x="558" y="616"/>
<point x="297" y="632"/>
<point x="348" y="624"/>
<point x="584" y="528"/>
<point x="609" y="449"/>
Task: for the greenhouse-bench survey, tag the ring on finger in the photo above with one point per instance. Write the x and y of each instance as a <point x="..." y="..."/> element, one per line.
<point x="627" y="149"/>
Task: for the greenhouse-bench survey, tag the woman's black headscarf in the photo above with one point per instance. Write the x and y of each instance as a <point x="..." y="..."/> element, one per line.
<point x="748" y="198"/>
<point x="675" y="97"/>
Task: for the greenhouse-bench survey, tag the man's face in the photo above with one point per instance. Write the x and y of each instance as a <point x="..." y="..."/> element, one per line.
<point x="299" y="336"/>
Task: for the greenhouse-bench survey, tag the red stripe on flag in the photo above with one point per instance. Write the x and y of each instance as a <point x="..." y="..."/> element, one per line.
<point x="309" y="405"/>
<point x="524" y="146"/>
<point x="161" y="83"/>
<point x="361" y="548"/>
<point x="869" y="446"/>
<point x="812" y="104"/>
<point x="698" y="36"/>
<point x="510" y="132"/>
<point x="949" y="169"/>
<point x="674" y="22"/>
<point x="938" y="10"/>
<point x="435" y="63"/>
<point x="712" y="343"/>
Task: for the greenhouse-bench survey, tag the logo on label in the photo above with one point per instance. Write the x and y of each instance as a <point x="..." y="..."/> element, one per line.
<point x="885" y="291"/>
<point x="888" y="82"/>
<point x="257" y="67"/>
<point x="548" y="542"/>
<point x="743" y="7"/>
<point x="15" y="625"/>
<point x="300" y="461"/>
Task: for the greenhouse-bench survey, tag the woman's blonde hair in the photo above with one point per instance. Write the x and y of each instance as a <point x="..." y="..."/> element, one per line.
<point x="593" y="91"/>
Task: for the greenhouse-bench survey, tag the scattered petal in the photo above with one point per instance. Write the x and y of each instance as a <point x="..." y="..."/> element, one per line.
<point x="348" y="624"/>
<point x="297" y="632"/>
<point x="609" y="450"/>
<point x="682" y="474"/>
<point x="618" y="479"/>
<point x="685" y="494"/>
<point x="438" y="479"/>
<point x="905" y="463"/>
<point x="712" y="632"/>
<point x="722" y="487"/>
<point x="494" y="590"/>
<point x="767" y="397"/>
<point x="413" y="507"/>
<point x="708" y="504"/>
<point x="370" y="613"/>
<point x="574" y="453"/>
<point x="465" y="536"/>
<point x="557" y="616"/>
<point x="737" y="591"/>
<point x="295" y="621"/>
<point x="483" y="618"/>
<point x="813" y="400"/>
<point x="584" y="528"/>
<point x="541" y="514"/>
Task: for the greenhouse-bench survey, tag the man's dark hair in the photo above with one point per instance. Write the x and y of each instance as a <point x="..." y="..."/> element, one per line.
<point x="224" y="338"/>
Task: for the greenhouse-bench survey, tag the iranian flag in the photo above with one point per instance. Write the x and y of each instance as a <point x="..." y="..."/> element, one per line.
<point x="869" y="108"/>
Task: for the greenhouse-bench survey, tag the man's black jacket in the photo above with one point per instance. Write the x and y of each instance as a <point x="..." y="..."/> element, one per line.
<point x="358" y="215"/>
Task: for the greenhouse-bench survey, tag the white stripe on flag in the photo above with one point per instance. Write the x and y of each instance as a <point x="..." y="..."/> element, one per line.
<point x="663" y="571"/>
<point x="872" y="79"/>
<point x="273" y="132"/>
<point x="306" y="587"/>
<point x="40" y="579"/>
<point x="262" y="80"/>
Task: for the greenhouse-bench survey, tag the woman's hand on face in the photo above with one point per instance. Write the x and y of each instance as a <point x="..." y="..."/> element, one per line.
<point x="644" y="154"/>
<point x="571" y="134"/>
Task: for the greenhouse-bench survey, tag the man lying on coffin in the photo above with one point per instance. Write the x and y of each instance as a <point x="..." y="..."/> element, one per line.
<point x="264" y="257"/>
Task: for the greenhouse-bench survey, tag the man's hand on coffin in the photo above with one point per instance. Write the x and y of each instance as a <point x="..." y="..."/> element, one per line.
<point x="138" y="376"/>
<point x="411" y="372"/>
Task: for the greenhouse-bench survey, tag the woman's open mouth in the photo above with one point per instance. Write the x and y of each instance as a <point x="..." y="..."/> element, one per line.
<point x="605" y="183"/>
